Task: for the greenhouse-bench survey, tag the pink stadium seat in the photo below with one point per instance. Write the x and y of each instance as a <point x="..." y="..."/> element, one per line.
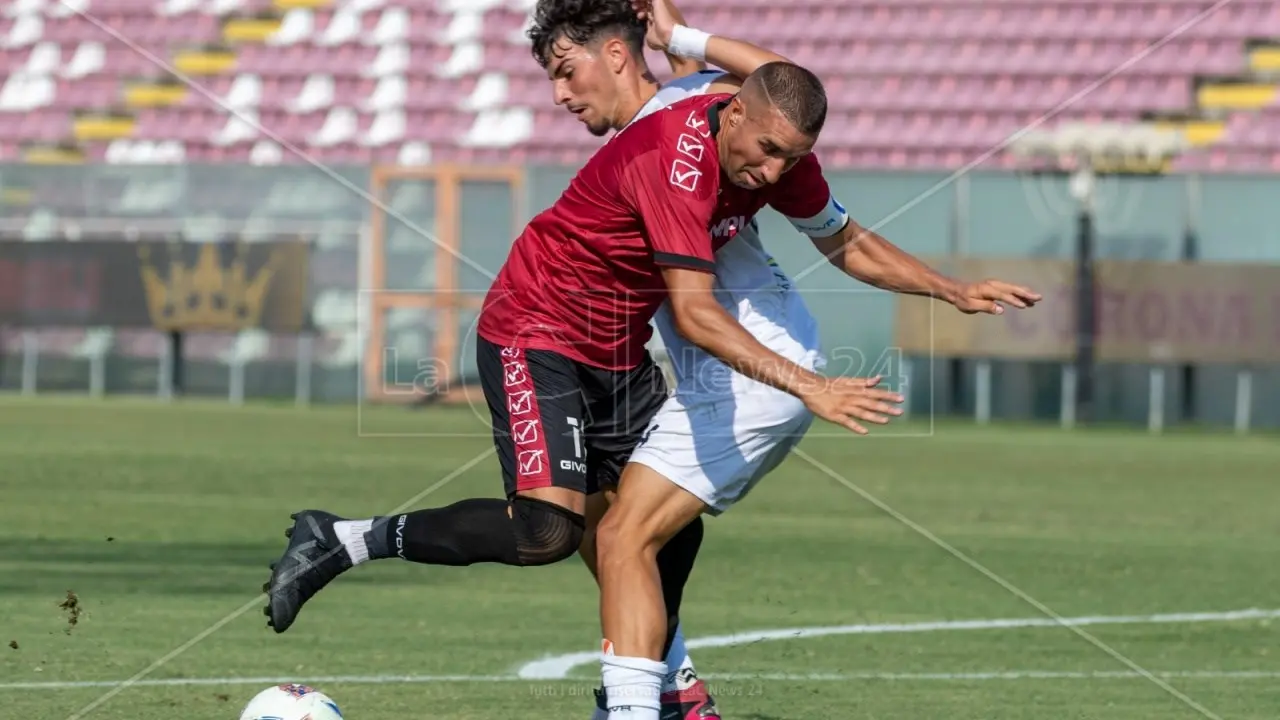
<point x="913" y="83"/>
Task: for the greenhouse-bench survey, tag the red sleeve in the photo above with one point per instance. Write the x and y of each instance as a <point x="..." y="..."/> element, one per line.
<point x="802" y="192"/>
<point x="673" y="188"/>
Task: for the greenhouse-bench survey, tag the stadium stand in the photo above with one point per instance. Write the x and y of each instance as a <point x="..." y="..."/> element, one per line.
<point x="915" y="83"/>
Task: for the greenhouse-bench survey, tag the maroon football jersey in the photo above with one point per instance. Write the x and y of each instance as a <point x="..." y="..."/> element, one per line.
<point x="585" y="277"/>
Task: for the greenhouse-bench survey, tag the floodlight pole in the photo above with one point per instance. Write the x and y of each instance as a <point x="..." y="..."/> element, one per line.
<point x="1086" y="144"/>
<point x="1083" y="188"/>
<point x="1190" y="253"/>
<point x="176" y="362"/>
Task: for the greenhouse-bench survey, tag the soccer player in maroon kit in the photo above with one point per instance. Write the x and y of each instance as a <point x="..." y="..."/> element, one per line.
<point x="562" y="356"/>
<point x="566" y="417"/>
<point x="561" y="351"/>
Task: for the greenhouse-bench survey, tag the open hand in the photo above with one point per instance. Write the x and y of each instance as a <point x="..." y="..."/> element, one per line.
<point x="990" y="297"/>
<point x="845" y="401"/>
<point x="660" y="20"/>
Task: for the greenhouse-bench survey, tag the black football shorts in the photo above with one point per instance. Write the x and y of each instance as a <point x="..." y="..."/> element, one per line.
<point x="560" y="423"/>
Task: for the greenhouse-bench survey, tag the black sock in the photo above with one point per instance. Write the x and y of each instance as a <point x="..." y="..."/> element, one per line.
<point x="466" y="532"/>
<point x="675" y="563"/>
<point x="481" y="530"/>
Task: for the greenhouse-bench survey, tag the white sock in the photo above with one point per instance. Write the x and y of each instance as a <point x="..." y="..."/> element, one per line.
<point x="680" y="672"/>
<point x="351" y="534"/>
<point x="633" y="686"/>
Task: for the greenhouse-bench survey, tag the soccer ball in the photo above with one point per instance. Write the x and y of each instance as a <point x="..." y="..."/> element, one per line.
<point x="291" y="702"/>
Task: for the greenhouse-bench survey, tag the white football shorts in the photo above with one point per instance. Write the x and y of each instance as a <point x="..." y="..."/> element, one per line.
<point x="718" y="446"/>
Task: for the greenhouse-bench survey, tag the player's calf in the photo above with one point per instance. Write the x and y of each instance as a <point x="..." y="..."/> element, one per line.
<point x="525" y="532"/>
<point x="684" y="696"/>
<point x="675" y="563"/>
<point x="649" y="511"/>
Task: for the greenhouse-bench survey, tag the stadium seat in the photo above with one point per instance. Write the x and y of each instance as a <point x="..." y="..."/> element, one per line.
<point x="928" y="81"/>
<point x="316" y="94"/>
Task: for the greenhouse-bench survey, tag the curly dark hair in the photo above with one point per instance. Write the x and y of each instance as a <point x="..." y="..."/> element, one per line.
<point x="582" y="22"/>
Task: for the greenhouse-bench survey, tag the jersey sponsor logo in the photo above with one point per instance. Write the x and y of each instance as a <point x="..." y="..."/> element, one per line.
<point x="684" y="175"/>
<point x="525" y="432"/>
<point x="689" y="145"/>
<point x="530" y="462"/>
<point x="728" y="227"/>
<point x="520" y="402"/>
<point x="698" y="124"/>
<point x="514" y="374"/>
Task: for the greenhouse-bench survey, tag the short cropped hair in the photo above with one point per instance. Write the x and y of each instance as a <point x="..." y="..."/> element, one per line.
<point x="582" y="22"/>
<point x="797" y="93"/>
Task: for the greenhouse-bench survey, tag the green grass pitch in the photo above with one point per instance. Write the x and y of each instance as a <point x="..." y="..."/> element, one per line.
<point x="162" y="520"/>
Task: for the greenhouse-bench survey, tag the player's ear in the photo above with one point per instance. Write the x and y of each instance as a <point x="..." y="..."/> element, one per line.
<point x="737" y="112"/>
<point x="615" y="54"/>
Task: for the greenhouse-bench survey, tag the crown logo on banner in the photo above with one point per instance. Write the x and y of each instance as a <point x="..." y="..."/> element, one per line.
<point x="206" y="295"/>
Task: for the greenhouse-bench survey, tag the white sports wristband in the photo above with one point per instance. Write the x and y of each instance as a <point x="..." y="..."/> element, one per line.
<point x="686" y="42"/>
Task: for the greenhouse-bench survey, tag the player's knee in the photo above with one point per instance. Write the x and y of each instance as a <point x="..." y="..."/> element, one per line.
<point x="618" y="534"/>
<point x="547" y="532"/>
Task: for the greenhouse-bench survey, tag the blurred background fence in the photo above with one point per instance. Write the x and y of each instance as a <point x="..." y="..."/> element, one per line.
<point x="419" y="327"/>
<point x="405" y="142"/>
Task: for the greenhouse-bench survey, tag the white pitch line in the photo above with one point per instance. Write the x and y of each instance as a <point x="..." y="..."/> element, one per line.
<point x="558" y="667"/>
<point x="999" y="675"/>
<point x="724" y="677"/>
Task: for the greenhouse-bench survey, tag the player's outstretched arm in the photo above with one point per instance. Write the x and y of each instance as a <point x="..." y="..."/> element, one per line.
<point x="702" y="320"/>
<point x="669" y="34"/>
<point x="865" y="255"/>
<point x="804" y="197"/>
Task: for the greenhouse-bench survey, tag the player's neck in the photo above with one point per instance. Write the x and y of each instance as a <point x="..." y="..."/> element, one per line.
<point x="720" y="146"/>
<point x="633" y="97"/>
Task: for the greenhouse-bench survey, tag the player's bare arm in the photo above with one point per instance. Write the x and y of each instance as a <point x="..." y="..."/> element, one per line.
<point x="694" y="49"/>
<point x="868" y="257"/>
<point x="702" y="320"/>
